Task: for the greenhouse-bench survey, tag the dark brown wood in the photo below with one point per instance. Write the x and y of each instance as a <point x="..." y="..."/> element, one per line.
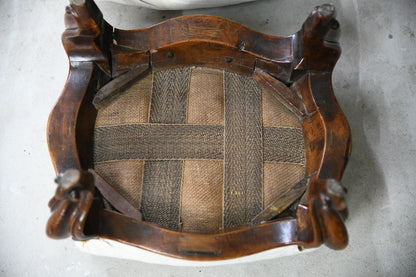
<point x="70" y="205"/>
<point x="205" y="247"/>
<point x="63" y="118"/>
<point x="88" y="37"/>
<point x="179" y="42"/>
<point x="205" y="28"/>
<point x="328" y="146"/>
<point x="316" y="44"/>
<point x="297" y="69"/>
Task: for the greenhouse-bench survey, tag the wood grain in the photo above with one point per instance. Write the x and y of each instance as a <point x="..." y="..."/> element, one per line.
<point x="298" y="68"/>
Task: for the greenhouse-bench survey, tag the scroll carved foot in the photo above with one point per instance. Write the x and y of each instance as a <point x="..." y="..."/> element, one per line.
<point x="70" y="205"/>
<point x="330" y="211"/>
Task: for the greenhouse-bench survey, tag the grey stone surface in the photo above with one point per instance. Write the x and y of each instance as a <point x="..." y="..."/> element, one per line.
<point x="375" y="82"/>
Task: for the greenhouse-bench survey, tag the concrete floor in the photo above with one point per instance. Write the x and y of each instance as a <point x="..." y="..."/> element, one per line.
<point x="375" y="82"/>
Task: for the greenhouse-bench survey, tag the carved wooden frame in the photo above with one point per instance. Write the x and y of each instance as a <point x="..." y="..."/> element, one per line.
<point x="106" y="59"/>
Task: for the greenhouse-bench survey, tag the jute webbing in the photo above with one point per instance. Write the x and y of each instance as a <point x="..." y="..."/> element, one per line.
<point x="131" y="107"/>
<point x="198" y="149"/>
<point x="187" y="142"/>
<point x="201" y="207"/>
<point x="283" y="145"/>
<point x="275" y="114"/>
<point x="170" y="96"/>
<point x="206" y="97"/>
<point x="159" y="142"/>
<point x="126" y="177"/>
<point x="277" y="173"/>
<point x="243" y="157"/>
<point x="163" y="179"/>
<point x="161" y="193"/>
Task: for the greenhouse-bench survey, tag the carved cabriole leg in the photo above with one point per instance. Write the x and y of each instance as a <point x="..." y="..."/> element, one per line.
<point x="84" y="40"/>
<point x="327" y="134"/>
<point x="337" y="147"/>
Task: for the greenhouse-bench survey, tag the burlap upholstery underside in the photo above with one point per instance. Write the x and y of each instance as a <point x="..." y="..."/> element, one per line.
<point x="198" y="149"/>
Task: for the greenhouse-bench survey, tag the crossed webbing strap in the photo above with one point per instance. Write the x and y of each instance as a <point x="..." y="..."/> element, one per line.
<point x="197" y="149"/>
